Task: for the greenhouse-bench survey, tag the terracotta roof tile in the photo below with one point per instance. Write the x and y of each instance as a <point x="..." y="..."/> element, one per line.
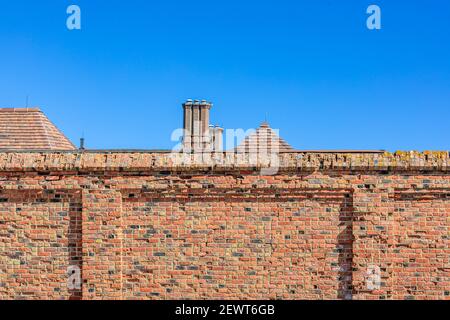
<point x="29" y="128"/>
<point x="264" y="139"/>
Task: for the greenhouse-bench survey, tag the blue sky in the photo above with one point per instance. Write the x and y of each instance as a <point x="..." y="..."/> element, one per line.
<point x="322" y="78"/>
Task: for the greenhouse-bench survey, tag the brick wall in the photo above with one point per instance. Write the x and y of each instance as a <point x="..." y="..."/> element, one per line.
<point x="155" y="226"/>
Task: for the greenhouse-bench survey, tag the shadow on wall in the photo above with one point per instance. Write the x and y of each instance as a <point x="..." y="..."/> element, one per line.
<point x="75" y="245"/>
<point x="345" y="249"/>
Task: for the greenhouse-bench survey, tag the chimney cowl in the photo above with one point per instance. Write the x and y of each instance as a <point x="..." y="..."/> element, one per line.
<point x="197" y="103"/>
<point x="187" y="103"/>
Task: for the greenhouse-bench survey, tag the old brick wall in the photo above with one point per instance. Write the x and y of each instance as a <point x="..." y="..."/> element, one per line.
<point x="151" y="226"/>
<point x="40" y="235"/>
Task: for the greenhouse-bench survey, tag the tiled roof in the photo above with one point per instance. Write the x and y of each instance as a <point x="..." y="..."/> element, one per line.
<point x="30" y="129"/>
<point x="264" y="138"/>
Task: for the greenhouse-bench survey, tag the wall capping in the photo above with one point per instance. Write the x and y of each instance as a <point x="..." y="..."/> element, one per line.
<point x="155" y="161"/>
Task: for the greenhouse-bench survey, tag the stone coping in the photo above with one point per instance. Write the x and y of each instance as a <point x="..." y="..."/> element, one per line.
<point x="158" y="161"/>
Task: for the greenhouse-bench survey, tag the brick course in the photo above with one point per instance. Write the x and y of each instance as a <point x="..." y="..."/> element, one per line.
<point x="145" y="225"/>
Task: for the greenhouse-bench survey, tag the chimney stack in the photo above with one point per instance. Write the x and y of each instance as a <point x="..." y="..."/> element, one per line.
<point x="187" y="125"/>
<point x="196" y="126"/>
<point x="216" y="134"/>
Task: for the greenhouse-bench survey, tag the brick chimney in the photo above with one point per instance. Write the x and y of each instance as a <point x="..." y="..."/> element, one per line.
<point x="196" y="126"/>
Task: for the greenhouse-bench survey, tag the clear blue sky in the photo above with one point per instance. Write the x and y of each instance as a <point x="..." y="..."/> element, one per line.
<point x="323" y="78"/>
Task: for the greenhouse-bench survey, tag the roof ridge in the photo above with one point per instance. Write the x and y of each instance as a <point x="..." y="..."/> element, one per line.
<point x="62" y="134"/>
<point x="47" y="136"/>
<point x="20" y="109"/>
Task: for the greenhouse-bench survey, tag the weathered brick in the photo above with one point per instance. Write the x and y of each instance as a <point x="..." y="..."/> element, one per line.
<point x="141" y="225"/>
